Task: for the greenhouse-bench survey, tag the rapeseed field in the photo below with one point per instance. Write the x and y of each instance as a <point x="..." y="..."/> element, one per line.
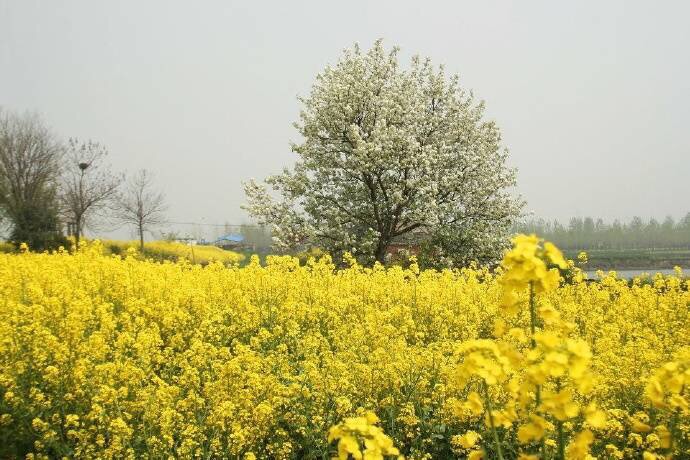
<point x="114" y="356"/>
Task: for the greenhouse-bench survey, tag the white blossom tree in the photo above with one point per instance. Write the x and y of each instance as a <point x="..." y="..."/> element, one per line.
<point x="389" y="152"/>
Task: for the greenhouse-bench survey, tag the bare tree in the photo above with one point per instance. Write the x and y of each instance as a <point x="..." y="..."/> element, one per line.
<point x="141" y="206"/>
<point x="30" y="158"/>
<point x="88" y="186"/>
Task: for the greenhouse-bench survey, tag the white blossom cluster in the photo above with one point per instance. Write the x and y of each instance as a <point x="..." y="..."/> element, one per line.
<point x="389" y="151"/>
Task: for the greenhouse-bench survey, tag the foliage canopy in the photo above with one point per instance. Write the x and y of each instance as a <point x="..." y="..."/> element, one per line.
<point x="390" y="153"/>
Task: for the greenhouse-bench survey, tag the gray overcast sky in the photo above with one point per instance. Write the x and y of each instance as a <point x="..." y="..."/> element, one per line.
<point x="593" y="97"/>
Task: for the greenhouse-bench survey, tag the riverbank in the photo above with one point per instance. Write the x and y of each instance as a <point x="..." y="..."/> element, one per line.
<point x="634" y="259"/>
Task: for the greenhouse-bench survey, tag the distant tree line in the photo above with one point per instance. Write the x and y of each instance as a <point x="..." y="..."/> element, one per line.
<point x="51" y="189"/>
<point x="589" y="233"/>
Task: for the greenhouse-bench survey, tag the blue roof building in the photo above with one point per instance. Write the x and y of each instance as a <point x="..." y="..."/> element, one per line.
<point x="230" y="239"/>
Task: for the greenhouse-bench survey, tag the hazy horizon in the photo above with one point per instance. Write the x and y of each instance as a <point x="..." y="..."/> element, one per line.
<point x="592" y="98"/>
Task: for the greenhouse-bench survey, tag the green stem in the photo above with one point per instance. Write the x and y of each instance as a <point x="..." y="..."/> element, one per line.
<point x="559" y="427"/>
<point x="533" y="342"/>
<point x="672" y="428"/>
<point x="561" y="441"/>
<point x="491" y="422"/>
<point x="533" y="328"/>
<point x="532" y="314"/>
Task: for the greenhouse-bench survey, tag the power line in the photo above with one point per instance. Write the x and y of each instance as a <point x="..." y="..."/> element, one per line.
<point x="212" y="225"/>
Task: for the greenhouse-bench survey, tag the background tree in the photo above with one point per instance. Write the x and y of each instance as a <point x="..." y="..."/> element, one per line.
<point x="256" y="236"/>
<point x="635" y="234"/>
<point x="88" y="186"/>
<point x="141" y="206"/>
<point x="30" y="159"/>
<point x="388" y="153"/>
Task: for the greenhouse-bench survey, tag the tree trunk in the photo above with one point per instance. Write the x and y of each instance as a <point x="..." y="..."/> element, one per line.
<point x="381" y="249"/>
<point x="141" y="238"/>
<point x="77" y="231"/>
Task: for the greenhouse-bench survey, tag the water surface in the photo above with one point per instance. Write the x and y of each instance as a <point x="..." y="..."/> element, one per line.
<point x="628" y="273"/>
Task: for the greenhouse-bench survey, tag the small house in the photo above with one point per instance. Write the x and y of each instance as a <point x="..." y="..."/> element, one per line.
<point x="231" y="241"/>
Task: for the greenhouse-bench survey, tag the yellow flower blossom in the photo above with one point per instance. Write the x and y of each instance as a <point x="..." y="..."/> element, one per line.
<point x="640" y="427"/>
<point x="469" y="439"/>
<point x="474" y="404"/>
<point x="595" y="418"/>
<point x="476" y="455"/>
<point x="352" y="430"/>
<point x="579" y="447"/>
<point x="560" y="405"/>
<point x="534" y="430"/>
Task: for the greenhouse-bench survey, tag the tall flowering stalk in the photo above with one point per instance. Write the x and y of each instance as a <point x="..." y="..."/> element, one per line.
<point x="538" y="384"/>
